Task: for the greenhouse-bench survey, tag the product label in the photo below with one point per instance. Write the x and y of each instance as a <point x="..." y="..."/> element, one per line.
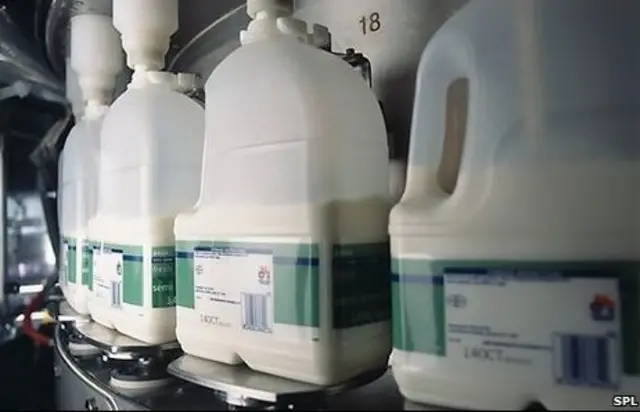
<point x="68" y="261"/>
<point x="97" y="283"/>
<point x="107" y="279"/>
<point x="266" y="287"/>
<point x="361" y="284"/>
<point x="222" y="291"/>
<point x="163" y="277"/>
<point x="119" y="275"/>
<point x="62" y="263"/>
<point x="572" y="324"/>
<point x="87" y="264"/>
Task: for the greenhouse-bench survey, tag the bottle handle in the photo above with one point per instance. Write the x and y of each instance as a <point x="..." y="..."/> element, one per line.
<point x="444" y="60"/>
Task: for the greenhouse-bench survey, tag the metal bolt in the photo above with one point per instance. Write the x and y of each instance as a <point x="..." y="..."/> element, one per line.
<point x="90" y="405"/>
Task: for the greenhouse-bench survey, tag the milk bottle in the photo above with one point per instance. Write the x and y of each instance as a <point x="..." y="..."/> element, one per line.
<point x="283" y="265"/>
<point x="151" y="160"/>
<point x="520" y="287"/>
<point x="96" y="57"/>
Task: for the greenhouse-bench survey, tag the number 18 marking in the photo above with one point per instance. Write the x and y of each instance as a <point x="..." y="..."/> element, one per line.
<point x="370" y="23"/>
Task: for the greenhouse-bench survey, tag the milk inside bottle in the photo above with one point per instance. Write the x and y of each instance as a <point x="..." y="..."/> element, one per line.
<point x="521" y="286"/>
<point x="284" y="263"/>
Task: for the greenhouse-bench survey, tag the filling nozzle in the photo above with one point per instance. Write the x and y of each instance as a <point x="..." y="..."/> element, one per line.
<point x="96" y="56"/>
<point x="146" y="27"/>
<point x="179" y="82"/>
<point x="260" y="9"/>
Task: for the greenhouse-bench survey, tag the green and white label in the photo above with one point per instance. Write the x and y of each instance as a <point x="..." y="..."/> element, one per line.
<point x="266" y="287"/>
<point x="62" y="266"/>
<point x="562" y="322"/>
<point x="87" y="264"/>
<point x="118" y="275"/>
<point x="98" y="284"/>
<point x="361" y="284"/>
<point x="163" y="277"/>
<point x="68" y="261"/>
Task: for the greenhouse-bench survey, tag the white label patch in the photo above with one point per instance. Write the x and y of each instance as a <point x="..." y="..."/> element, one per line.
<point x="100" y="284"/>
<point x="107" y="276"/>
<point x="234" y="288"/>
<point x="64" y="272"/>
<point x="561" y="330"/>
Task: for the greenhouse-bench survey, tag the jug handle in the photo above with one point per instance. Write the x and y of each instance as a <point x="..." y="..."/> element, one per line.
<point x="444" y="60"/>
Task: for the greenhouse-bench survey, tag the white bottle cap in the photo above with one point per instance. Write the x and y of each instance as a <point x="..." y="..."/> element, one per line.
<point x="271" y="18"/>
<point x="179" y="82"/>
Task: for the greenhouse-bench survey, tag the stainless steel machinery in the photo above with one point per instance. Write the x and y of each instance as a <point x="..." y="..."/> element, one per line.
<point x="99" y="369"/>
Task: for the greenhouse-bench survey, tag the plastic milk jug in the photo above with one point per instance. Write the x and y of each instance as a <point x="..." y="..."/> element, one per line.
<point x="521" y="287"/>
<point x="284" y="263"/>
<point x="151" y="160"/>
<point x="78" y="200"/>
<point x="96" y="58"/>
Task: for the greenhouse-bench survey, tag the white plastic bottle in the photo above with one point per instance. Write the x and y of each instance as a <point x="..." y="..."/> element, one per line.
<point x="96" y="58"/>
<point x="284" y="262"/>
<point x="73" y="94"/>
<point x="151" y="161"/>
<point x="392" y="34"/>
<point x="521" y="287"/>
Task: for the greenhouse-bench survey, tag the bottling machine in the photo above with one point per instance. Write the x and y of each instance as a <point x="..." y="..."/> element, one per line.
<point x="96" y="367"/>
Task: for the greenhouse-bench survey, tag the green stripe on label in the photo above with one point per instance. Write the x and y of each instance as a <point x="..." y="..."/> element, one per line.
<point x="361" y="284"/>
<point x="185" y="282"/>
<point x="417" y="310"/>
<point x="70" y="264"/>
<point x="163" y="279"/>
<point x="87" y="264"/>
<point x="418" y="301"/>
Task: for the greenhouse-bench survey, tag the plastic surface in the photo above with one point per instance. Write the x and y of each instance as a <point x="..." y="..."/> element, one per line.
<point x="271" y="6"/>
<point x="284" y="263"/>
<point x="517" y="287"/>
<point x="268" y="24"/>
<point x="72" y="90"/>
<point x="150" y="171"/>
<point x="146" y="27"/>
<point x="77" y="200"/>
<point x="96" y="56"/>
<point x="95" y="60"/>
<point x="392" y="35"/>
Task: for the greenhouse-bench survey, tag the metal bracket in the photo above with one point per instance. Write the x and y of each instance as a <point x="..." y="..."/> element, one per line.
<point x="242" y="387"/>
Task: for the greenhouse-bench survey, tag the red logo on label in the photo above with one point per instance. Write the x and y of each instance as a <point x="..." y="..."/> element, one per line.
<point x="264" y="275"/>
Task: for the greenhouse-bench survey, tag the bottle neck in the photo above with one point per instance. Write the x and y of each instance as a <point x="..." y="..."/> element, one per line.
<point x="269" y="24"/>
<point x="94" y="109"/>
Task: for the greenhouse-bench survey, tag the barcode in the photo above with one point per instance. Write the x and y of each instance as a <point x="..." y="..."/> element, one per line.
<point x="586" y="360"/>
<point x="116" y="298"/>
<point x="255" y="312"/>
